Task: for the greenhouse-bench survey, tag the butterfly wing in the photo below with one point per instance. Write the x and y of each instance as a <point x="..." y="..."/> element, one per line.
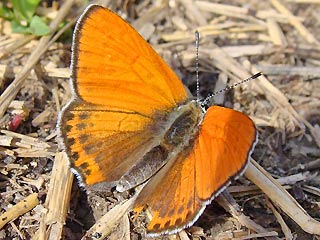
<point x="188" y="183"/>
<point x="115" y="67"/>
<point x="120" y="86"/>
<point x="227" y="138"/>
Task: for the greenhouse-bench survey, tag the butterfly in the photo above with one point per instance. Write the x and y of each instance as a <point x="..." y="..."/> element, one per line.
<point x="132" y="122"/>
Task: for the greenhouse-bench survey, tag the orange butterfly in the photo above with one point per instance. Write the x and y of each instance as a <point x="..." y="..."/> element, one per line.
<point x="131" y="121"/>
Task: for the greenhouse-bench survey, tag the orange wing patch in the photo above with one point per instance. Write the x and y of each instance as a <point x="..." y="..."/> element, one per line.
<point x="103" y="145"/>
<point x="115" y="67"/>
<point x="222" y="149"/>
<point x="171" y="196"/>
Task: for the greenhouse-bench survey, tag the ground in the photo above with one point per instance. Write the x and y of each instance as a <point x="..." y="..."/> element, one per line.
<point x="237" y="39"/>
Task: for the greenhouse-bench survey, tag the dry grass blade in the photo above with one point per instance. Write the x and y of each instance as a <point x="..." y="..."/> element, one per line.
<point x="248" y="50"/>
<point x="156" y="10"/>
<point x="281" y="197"/>
<point x="19" y="209"/>
<point x="4" y="50"/>
<point x="25" y="146"/>
<point x="9" y="72"/>
<point x="227" y="10"/>
<point x="295" y="22"/>
<point x="230" y="205"/>
<point x="276" y="34"/>
<point x="57" y="201"/>
<point x="107" y="224"/>
<point x="286" y="70"/>
<point x="193" y="12"/>
<point x="285" y="229"/>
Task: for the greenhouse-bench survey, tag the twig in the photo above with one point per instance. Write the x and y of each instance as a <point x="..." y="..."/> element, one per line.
<point x="19" y="209"/>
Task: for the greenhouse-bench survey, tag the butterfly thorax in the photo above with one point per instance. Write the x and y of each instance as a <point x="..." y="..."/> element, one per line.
<point x="182" y="126"/>
<point x="174" y="133"/>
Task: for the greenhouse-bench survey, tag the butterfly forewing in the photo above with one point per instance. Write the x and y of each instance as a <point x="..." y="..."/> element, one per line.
<point x="122" y="90"/>
<point x="115" y="67"/>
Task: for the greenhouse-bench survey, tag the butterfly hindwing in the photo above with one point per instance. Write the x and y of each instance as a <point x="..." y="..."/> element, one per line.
<point x="222" y="149"/>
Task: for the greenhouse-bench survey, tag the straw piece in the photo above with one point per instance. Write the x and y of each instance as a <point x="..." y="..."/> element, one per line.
<point x="157" y="11"/>
<point x="274" y="15"/>
<point x="19" y="209"/>
<point x="287" y="70"/>
<point x="281" y="197"/>
<point x="42" y="117"/>
<point x="182" y="235"/>
<point x="7" y="71"/>
<point x="220" y="84"/>
<point x="214" y="30"/>
<point x="249" y="50"/>
<point x="311" y="189"/>
<point x="5" y="50"/>
<point x="224" y="9"/>
<point x="26" y="146"/>
<point x="285" y="229"/>
<point x="304" y="1"/>
<point x="192" y="12"/>
<point x="106" y="224"/>
<point x="57" y="201"/>
<point x="304" y="32"/>
<point x="276" y="34"/>
<point x="230" y="205"/>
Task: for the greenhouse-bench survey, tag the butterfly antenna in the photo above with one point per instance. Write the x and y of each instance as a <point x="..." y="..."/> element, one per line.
<point x="197" y="36"/>
<point x="227" y="88"/>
